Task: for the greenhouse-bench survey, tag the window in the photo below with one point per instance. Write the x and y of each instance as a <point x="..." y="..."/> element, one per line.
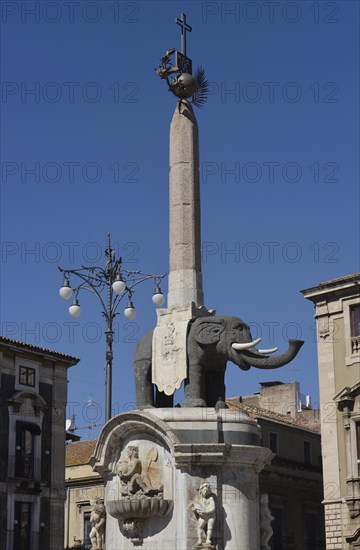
<point x="24" y="457"/>
<point x="307" y="452"/>
<point x="22" y="526"/>
<point x="311" y="531"/>
<point x="273" y="442"/>
<point x="276" y="540"/>
<point x="27" y="376"/>
<point x="87" y="528"/>
<point x="355" y="320"/>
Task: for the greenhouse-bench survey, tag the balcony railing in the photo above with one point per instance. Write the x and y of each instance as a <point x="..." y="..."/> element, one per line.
<point x="23" y="469"/>
<point x="34" y="539"/>
<point x="355" y="344"/>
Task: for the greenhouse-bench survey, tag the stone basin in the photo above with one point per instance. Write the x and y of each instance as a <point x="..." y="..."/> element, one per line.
<point x="141" y="508"/>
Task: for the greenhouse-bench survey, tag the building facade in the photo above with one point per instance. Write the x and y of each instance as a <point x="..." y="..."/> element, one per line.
<point x="82" y="484"/>
<point x="337" y="313"/>
<point x="293" y="480"/>
<point x="33" y="393"/>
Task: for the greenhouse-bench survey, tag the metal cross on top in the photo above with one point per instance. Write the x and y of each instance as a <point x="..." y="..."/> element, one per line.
<point x="185" y="27"/>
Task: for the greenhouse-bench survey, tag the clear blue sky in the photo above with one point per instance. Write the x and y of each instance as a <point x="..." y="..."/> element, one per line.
<point x="279" y="139"/>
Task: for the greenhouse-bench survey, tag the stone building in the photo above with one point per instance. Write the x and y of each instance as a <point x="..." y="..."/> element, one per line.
<point x="337" y="313"/>
<point x="285" y="399"/>
<point x="293" y="480"/>
<point x="33" y="393"/>
<point x="82" y="484"/>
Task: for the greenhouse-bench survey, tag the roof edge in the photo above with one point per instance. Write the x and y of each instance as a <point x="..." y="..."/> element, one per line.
<point x="332" y="285"/>
<point x="16" y="344"/>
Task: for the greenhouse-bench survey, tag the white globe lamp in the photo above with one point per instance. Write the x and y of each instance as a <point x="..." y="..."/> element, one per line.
<point x="74" y="309"/>
<point x="65" y="291"/>
<point x="158" y="298"/>
<point x="118" y="285"/>
<point x="130" y="311"/>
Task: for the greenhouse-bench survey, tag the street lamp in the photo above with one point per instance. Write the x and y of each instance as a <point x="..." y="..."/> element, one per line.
<point x="117" y="283"/>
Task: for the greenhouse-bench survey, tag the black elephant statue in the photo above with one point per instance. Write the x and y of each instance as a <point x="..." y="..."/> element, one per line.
<point x="211" y="343"/>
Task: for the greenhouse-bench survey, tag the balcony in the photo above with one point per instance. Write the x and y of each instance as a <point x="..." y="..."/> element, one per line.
<point x="32" y="542"/>
<point x="24" y="470"/>
<point x="355" y="345"/>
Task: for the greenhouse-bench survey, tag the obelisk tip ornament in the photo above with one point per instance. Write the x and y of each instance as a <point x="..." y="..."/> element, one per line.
<point x="176" y="69"/>
<point x="185" y="279"/>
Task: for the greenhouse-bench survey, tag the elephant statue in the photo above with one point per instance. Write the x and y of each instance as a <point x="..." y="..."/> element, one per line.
<point x="212" y="341"/>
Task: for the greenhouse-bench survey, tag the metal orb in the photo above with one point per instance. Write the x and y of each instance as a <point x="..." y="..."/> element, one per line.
<point x="184" y="86"/>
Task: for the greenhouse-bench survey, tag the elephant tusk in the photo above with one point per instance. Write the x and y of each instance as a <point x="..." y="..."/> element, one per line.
<point x="248" y="345"/>
<point x="266" y="351"/>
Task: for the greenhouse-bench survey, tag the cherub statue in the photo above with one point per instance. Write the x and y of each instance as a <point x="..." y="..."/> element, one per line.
<point x="205" y="511"/>
<point x="97" y="519"/>
<point x="266" y="518"/>
<point x="130" y="470"/>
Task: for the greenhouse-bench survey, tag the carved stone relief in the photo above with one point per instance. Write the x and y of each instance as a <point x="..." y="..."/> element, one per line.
<point x="169" y="360"/>
<point x="140" y="496"/>
<point x="266" y="518"/>
<point x="323" y="318"/>
<point x="204" y="508"/>
<point x="134" y="474"/>
<point x="169" y="352"/>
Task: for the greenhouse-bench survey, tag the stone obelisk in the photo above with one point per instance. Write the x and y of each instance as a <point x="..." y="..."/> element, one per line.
<point x="185" y="278"/>
<point x="185" y="294"/>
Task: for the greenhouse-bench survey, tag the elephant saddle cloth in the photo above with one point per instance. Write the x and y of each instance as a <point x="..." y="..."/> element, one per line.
<point x="169" y="355"/>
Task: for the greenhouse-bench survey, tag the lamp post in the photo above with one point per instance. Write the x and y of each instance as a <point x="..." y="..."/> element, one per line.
<point x="116" y="283"/>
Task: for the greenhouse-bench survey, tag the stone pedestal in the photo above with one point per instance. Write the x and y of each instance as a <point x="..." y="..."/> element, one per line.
<point x="174" y="452"/>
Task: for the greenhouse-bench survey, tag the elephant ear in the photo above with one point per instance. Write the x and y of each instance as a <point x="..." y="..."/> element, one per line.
<point x="208" y="333"/>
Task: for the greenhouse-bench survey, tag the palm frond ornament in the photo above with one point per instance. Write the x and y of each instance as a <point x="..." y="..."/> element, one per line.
<point x="200" y="95"/>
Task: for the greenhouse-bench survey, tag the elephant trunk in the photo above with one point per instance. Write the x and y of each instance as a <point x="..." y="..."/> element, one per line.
<point x="255" y="359"/>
